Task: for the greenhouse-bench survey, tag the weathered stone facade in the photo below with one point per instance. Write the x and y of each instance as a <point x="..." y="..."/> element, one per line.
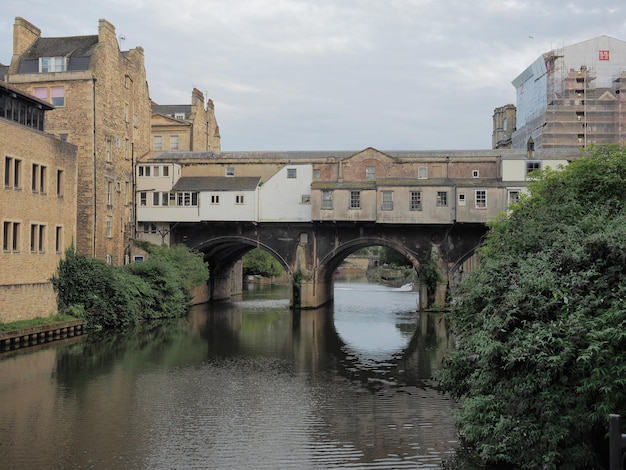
<point x="38" y="215"/>
<point x="105" y="112"/>
<point x="183" y="128"/>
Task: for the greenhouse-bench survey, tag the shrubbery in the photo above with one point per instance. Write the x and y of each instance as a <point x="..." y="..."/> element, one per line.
<point x="108" y="296"/>
<point x="541" y="324"/>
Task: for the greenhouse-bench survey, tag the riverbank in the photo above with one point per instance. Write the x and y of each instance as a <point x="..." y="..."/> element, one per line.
<point x="26" y="333"/>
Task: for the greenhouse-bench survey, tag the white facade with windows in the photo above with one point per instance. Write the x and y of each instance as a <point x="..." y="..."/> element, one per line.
<point x="286" y="196"/>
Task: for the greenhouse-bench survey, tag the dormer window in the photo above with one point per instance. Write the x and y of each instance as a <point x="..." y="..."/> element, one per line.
<point x="51" y="64"/>
<point x="179" y="116"/>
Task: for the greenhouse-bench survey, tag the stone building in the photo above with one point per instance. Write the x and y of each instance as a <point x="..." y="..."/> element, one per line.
<point x="573" y="96"/>
<point x="186" y="127"/>
<point x="38" y="205"/>
<point x="102" y="105"/>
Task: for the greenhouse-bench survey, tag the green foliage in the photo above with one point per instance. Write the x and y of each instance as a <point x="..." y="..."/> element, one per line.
<point x="39" y="321"/>
<point x="110" y="297"/>
<point x="541" y="324"/>
<point x="259" y="262"/>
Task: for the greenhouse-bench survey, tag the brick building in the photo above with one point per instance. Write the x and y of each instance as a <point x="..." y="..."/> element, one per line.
<point x="38" y="205"/>
<point x="102" y="105"/>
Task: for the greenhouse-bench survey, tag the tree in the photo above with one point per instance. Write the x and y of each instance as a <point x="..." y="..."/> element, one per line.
<point x="541" y="324"/>
<point x="259" y="262"/>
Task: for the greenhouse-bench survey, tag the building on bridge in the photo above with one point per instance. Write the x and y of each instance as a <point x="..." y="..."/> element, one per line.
<point x="571" y="96"/>
<point x="312" y="209"/>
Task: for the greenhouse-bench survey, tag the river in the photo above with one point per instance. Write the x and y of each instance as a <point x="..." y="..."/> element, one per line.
<point x="246" y="384"/>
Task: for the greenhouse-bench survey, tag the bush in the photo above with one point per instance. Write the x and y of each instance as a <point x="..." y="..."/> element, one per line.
<point x="541" y="356"/>
<point x="110" y="297"/>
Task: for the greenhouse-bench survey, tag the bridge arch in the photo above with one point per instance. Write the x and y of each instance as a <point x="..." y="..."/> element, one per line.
<point x="222" y="253"/>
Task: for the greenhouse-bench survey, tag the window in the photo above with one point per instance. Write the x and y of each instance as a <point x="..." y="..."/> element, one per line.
<point x="317" y="174"/>
<point x="180" y="116"/>
<point x="126" y="149"/>
<point x="480" y="199"/>
<point x="327" y="199"/>
<point x="422" y="172"/>
<point x="462" y="200"/>
<point x="126" y="81"/>
<point x="532" y="165"/>
<point x="109" y="144"/>
<point x="513" y="197"/>
<point x="126" y="113"/>
<point x="109" y="193"/>
<point x="239" y="199"/>
<point x="156" y="198"/>
<point x="135" y="121"/>
<point x="41" y="93"/>
<point x="11" y="236"/>
<point x="12" y="172"/>
<point x="58" y="239"/>
<point x="475" y="173"/>
<point x="144" y="170"/>
<point x="189" y="199"/>
<point x="387" y="201"/>
<point x="38" y="179"/>
<point x="147" y="227"/>
<point x="166" y="170"/>
<point x="155" y="171"/>
<point x="230" y="171"/>
<point x="215" y="199"/>
<point x="51" y="64"/>
<point x="416" y="200"/>
<point x="158" y="142"/>
<point x="57" y="96"/>
<point x="64" y="137"/>
<point x="109" y="227"/>
<point x="174" y="142"/>
<point x="291" y="172"/>
<point x="442" y="198"/>
<point x="370" y="173"/>
<point x="143" y="198"/>
<point x="37" y="238"/>
<point x="355" y="199"/>
<point x="306" y="199"/>
<point x="60" y="180"/>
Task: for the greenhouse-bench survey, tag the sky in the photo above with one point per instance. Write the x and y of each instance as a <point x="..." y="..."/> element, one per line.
<point x="334" y="74"/>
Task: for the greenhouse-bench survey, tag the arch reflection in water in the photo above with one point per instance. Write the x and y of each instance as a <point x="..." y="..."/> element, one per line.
<point x="245" y="384"/>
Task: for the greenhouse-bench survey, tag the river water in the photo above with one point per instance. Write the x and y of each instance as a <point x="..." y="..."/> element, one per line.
<point x="246" y="384"/>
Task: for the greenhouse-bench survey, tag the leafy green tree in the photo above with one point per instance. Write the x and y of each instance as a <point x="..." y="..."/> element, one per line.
<point x="259" y="262"/>
<point x="541" y="324"/>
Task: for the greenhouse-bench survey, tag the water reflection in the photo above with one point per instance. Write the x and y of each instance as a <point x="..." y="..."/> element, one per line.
<point x="245" y="384"/>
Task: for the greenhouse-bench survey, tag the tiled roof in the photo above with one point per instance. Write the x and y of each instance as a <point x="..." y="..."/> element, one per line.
<point x="77" y="46"/>
<point x="217" y="183"/>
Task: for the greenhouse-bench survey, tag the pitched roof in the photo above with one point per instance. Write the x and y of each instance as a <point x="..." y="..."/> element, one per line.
<point x="76" y="46"/>
<point x="217" y="183"/>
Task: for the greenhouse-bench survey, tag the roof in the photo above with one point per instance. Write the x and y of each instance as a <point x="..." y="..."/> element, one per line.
<point x="5" y="87"/>
<point x="76" y="46"/>
<point x="217" y="183"/>
<point x="171" y="109"/>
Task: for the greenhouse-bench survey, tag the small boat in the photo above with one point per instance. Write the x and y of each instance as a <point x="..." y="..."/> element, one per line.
<point x="405" y="288"/>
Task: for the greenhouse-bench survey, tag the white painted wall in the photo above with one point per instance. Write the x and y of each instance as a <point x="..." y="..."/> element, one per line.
<point x="227" y="208"/>
<point x="280" y="198"/>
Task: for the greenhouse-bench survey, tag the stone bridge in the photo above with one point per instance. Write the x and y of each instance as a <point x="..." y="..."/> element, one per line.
<point x="311" y="252"/>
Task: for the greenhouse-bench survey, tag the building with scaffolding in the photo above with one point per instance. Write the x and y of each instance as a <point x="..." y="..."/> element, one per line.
<point x="572" y="97"/>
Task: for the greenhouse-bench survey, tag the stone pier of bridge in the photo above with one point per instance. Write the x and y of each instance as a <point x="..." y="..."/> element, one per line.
<point x="311" y="252"/>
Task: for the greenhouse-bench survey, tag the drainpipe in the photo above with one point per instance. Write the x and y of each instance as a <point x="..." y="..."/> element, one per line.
<point x="95" y="183"/>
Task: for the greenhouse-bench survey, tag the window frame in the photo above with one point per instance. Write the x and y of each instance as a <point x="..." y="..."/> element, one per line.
<point x="327" y="199"/>
<point x="415" y="203"/>
<point x="442" y="198"/>
<point x="387" y="200"/>
<point x="355" y="199"/>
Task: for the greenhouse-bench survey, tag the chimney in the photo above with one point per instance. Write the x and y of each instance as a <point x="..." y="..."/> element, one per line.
<point x="24" y="35"/>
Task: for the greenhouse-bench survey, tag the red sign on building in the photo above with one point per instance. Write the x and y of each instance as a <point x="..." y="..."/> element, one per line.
<point x="603" y="55"/>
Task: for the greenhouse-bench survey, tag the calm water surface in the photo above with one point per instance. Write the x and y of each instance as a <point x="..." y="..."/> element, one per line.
<point x="239" y="385"/>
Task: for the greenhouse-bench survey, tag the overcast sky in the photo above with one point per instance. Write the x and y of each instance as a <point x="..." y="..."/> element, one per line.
<point x="334" y="74"/>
